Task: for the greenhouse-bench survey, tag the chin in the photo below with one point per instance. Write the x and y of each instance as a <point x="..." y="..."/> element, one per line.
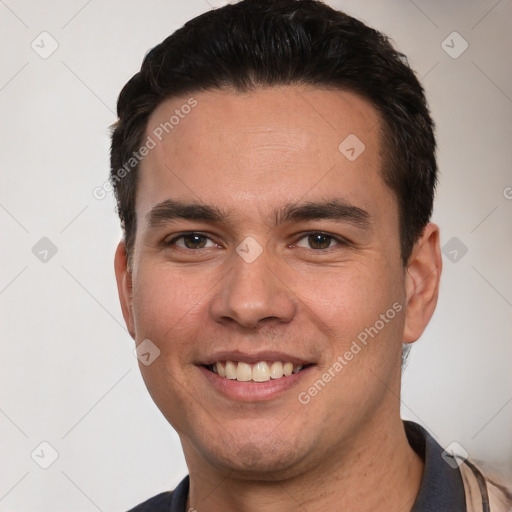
<point x="265" y="459"/>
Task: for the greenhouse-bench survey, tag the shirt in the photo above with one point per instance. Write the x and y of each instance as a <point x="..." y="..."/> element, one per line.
<point x="441" y="488"/>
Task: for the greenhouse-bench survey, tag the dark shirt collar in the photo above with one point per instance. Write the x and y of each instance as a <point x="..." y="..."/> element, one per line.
<point x="179" y="497"/>
<point x="441" y="487"/>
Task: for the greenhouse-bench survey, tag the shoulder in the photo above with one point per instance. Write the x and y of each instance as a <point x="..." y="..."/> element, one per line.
<point x="159" y="503"/>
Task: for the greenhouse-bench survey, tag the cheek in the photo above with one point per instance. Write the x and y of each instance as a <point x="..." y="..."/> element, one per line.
<point x="168" y="304"/>
<point x="362" y="311"/>
<point x="169" y="310"/>
<point x="348" y="300"/>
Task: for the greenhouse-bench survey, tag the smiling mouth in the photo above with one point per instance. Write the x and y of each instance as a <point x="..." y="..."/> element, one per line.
<point x="262" y="371"/>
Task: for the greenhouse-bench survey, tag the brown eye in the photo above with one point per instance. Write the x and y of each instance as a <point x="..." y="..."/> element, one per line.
<point x="192" y="241"/>
<point x="319" y="241"/>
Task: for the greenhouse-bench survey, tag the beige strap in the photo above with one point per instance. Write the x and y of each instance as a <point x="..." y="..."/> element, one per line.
<point x="499" y="499"/>
<point x="471" y="489"/>
<point x="496" y="498"/>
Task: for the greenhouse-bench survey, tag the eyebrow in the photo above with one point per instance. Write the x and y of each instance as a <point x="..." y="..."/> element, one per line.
<point x="335" y="209"/>
<point x="169" y="210"/>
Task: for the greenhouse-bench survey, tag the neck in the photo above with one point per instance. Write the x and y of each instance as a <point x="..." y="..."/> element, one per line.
<point x="374" y="470"/>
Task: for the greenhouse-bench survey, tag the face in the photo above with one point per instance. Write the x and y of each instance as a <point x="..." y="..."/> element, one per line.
<point x="263" y="247"/>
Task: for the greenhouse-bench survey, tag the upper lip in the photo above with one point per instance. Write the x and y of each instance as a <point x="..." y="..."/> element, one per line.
<point x="255" y="357"/>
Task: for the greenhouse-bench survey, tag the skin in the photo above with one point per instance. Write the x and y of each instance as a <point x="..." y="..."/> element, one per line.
<point x="250" y="154"/>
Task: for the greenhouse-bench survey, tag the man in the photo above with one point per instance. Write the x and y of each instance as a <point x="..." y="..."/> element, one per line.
<point x="274" y="167"/>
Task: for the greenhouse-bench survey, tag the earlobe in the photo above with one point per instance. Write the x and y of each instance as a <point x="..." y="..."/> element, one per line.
<point x="124" y="286"/>
<point x="422" y="283"/>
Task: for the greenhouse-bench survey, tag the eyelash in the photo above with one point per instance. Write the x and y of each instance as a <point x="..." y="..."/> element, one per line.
<point x="339" y="240"/>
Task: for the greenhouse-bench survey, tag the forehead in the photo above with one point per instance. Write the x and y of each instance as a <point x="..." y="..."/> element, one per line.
<point x="263" y="148"/>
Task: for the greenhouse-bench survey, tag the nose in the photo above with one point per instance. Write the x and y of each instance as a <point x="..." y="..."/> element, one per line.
<point x="254" y="294"/>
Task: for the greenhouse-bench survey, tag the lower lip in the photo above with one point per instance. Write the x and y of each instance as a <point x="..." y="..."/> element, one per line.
<point x="253" y="391"/>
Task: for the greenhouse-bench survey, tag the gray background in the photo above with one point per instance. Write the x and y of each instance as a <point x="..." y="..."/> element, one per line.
<point x="68" y="374"/>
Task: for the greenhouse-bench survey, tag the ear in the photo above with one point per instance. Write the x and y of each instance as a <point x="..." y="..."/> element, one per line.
<point x="124" y="286"/>
<point x="422" y="282"/>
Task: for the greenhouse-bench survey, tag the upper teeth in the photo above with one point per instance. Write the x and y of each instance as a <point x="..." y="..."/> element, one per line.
<point x="259" y="372"/>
